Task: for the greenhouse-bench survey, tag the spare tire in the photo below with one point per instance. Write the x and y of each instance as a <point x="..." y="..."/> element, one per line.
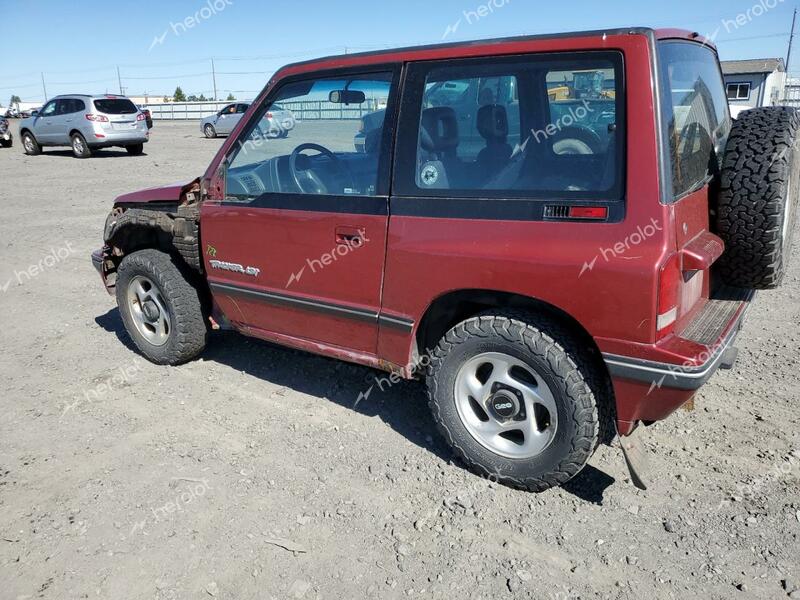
<point x="760" y="181"/>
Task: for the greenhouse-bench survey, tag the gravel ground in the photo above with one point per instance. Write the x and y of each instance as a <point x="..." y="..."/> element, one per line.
<point x="249" y="474"/>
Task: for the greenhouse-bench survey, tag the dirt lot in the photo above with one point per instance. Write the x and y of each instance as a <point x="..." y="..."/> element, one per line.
<point x="249" y="474"/>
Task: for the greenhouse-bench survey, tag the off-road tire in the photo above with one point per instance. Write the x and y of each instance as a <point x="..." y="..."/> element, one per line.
<point x="80" y="149"/>
<point x="209" y="131"/>
<point x="189" y="332"/>
<point x="32" y="147"/>
<point x="135" y="149"/>
<point x="760" y="183"/>
<point x="542" y="344"/>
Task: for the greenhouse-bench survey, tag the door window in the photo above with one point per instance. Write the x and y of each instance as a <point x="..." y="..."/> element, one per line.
<point x="310" y="139"/>
<point x="49" y="110"/>
<point x="535" y="126"/>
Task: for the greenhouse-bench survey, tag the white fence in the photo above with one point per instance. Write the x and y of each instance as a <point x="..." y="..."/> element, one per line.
<point x="306" y="110"/>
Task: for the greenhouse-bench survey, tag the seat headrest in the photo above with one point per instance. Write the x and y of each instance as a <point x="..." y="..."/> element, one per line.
<point x="493" y="123"/>
<point x="439" y="131"/>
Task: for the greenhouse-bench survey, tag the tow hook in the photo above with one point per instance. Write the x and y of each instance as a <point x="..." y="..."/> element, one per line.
<point x="636" y="456"/>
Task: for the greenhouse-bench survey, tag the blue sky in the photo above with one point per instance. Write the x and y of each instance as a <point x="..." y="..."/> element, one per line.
<point x="79" y="45"/>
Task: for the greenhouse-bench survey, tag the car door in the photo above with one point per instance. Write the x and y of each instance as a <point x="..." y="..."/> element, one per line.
<point x="295" y="247"/>
<point x="226" y="119"/>
<point x="44" y="124"/>
<point x="64" y="121"/>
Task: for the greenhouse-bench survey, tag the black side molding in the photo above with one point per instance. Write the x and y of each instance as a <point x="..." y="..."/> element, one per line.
<point x="336" y="310"/>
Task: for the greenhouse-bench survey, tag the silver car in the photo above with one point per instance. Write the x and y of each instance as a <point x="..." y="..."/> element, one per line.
<point x="86" y="123"/>
<point x="279" y="120"/>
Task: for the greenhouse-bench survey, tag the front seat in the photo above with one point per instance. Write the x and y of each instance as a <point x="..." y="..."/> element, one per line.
<point x="438" y="162"/>
<point x="493" y="127"/>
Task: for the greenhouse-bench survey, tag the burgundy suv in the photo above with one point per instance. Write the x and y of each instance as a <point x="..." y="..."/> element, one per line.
<point x="561" y="233"/>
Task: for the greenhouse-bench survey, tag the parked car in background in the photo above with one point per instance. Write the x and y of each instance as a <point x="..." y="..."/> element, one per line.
<point x="277" y="123"/>
<point x="29" y="112"/>
<point x="6" y="139"/>
<point x="223" y="122"/>
<point x="86" y="123"/>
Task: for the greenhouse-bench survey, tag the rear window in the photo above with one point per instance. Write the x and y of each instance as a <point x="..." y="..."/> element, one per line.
<point x="695" y="113"/>
<point x="115" y="106"/>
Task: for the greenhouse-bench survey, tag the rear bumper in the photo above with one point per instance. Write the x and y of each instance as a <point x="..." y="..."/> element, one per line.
<point x="679" y="377"/>
<point x="648" y="389"/>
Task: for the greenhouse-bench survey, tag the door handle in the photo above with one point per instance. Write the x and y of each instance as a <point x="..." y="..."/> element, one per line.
<point x="349" y="236"/>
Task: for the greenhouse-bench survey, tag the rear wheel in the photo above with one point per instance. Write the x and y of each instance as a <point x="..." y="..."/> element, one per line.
<point x="209" y="131"/>
<point x="514" y="402"/>
<point x="30" y="144"/>
<point x="79" y="146"/>
<point x="161" y="309"/>
<point x="135" y="149"/>
<point x="758" y="197"/>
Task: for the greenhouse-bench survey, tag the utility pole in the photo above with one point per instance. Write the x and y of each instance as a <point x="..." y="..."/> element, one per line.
<point x="214" y="78"/>
<point x="119" y="81"/>
<point x="44" y="88"/>
<point x="791" y="41"/>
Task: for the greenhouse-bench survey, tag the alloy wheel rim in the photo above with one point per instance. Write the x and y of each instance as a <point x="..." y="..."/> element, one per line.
<point x="28" y="143"/>
<point x="505" y="405"/>
<point x="149" y="311"/>
<point x="77" y="145"/>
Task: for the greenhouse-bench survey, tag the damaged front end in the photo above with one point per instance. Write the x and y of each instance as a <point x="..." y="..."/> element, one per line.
<point x="165" y="218"/>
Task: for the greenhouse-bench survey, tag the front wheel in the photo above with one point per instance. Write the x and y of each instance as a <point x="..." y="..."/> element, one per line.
<point x="135" y="149"/>
<point x="513" y="402"/>
<point x="161" y="309"/>
<point x="29" y="143"/>
<point x="79" y="146"/>
<point x="209" y="131"/>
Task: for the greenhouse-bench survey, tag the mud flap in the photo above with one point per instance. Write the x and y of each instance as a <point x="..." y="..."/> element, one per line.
<point x="636" y="457"/>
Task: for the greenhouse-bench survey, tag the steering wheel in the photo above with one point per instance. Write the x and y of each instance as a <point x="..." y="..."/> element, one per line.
<point x="308" y="181"/>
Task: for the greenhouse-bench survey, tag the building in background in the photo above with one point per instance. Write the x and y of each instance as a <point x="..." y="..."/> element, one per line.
<point x="754" y="83"/>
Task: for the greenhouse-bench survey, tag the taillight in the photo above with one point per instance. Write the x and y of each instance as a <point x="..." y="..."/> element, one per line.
<point x="97" y="118"/>
<point x="669" y="287"/>
<point x="140" y="117"/>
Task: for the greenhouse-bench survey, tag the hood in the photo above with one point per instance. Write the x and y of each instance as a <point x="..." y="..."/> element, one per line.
<point x="166" y="193"/>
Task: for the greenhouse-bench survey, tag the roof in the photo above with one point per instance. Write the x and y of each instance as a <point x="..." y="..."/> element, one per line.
<point x="756" y="65"/>
<point x="409" y="50"/>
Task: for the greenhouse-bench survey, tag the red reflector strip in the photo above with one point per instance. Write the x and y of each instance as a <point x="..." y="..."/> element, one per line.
<point x="588" y="212"/>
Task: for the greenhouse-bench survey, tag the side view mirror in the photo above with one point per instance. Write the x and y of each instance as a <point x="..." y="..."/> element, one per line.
<point x="347" y="97"/>
<point x="34" y="113"/>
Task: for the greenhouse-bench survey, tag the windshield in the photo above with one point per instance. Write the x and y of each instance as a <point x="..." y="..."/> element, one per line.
<point x="115" y="106"/>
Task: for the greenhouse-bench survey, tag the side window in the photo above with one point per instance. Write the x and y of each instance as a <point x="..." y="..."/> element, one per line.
<point x="49" y="110"/>
<point x="694" y="111"/>
<point x="738" y="91"/>
<point x="538" y="126"/>
<point x="78" y="105"/>
<point x="320" y="136"/>
<point x="242" y="108"/>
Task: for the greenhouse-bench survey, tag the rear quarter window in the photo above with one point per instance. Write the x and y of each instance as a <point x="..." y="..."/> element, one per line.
<point x="115" y="106"/>
<point x="695" y="114"/>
